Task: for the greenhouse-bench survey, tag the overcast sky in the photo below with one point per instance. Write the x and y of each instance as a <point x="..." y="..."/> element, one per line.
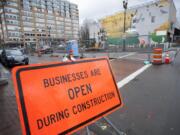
<point x="95" y="9"/>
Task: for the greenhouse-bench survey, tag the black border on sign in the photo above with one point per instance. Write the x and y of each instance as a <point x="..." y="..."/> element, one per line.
<point x="22" y="102"/>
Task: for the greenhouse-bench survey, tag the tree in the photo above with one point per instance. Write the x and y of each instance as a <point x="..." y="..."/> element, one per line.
<point x="84" y="33"/>
<point x="89" y="32"/>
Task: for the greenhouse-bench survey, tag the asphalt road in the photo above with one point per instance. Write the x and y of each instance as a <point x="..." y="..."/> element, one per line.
<point x="151" y="102"/>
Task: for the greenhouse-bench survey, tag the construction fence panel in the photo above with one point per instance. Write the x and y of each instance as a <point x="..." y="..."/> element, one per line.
<point x="137" y="43"/>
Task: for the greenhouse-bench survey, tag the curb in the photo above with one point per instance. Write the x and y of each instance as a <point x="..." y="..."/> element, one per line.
<point x="3" y="78"/>
<point x="54" y="56"/>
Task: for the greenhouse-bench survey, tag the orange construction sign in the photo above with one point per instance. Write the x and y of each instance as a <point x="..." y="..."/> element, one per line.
<point x="61" y="98"/>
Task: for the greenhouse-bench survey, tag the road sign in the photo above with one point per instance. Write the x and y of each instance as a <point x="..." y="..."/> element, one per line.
<point x="61" y="98"/>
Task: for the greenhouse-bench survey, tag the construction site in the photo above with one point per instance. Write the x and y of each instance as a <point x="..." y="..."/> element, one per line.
<point x="158" y="19"/>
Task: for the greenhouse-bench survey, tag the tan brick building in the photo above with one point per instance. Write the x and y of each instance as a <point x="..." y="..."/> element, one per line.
<point x="38" y="22"/>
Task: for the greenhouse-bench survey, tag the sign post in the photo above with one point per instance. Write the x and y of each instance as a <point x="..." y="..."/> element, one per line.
<point x="61" y="98"/>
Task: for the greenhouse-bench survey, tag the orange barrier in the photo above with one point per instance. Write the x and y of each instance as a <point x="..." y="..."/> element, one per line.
<point x="64" y="97"/>
<point x="157" y="56"/>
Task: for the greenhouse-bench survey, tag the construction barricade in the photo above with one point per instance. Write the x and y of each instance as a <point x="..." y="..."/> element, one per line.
<point x="157" y="57"/>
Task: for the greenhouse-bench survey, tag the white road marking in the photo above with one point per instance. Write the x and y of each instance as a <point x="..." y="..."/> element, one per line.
<point x="132" y="76"/>
<point x="130" y="54"/>
<point x="124" y="56"/>
<point x="137" y="59"/>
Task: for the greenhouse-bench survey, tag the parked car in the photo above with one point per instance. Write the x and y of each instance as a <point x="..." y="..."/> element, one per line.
<point x="61" y="47"/>
<point x="46" y="49"/>
<point x="14" y="57"/>
<point x="20" y="49"/>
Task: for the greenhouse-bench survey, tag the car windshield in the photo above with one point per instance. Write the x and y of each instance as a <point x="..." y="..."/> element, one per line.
<point x="14" y="52"/>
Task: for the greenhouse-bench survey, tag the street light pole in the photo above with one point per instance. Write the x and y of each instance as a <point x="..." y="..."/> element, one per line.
<point x="132" y="15"/>
<point x="49" y="28"/>
<point x="125" y="5"/>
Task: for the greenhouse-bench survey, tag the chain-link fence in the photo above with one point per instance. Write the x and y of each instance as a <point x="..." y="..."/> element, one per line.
<point x="137" y="43"/>
<point x="132" y="43"/>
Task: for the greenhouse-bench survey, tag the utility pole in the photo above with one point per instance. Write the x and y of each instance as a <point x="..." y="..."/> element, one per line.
<point x="132" y="15"/>
<point x="125" y="5"/>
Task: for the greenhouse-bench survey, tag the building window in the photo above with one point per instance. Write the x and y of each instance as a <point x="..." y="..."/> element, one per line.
<point x="153" y="19"/>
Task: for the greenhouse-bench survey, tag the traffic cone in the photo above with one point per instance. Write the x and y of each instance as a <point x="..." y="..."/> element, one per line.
<point x="71" y="57"/>
<point x="167" y="59"/>
<point x="65" y="58"/>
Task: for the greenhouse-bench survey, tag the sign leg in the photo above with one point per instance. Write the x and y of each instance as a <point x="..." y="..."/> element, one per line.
<point x="114" y="127"/>
<point x="87" y="130"/>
